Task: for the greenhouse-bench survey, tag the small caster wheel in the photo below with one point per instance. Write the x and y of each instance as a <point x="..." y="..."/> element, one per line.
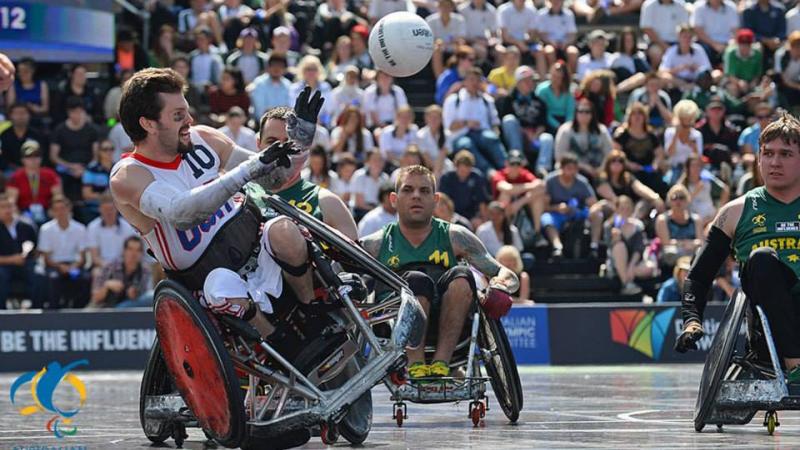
<point x="475" y="415"/>
<point x="400" y="413"/>
<point x="329" y="433"/>
<point x="771" y="422"/>
<point x="398" y="378"/>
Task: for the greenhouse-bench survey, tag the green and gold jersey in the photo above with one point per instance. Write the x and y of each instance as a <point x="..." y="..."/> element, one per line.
<point x="436" y="249"/>
<point x="303" y="195"/>
<point x="767" y="222"/>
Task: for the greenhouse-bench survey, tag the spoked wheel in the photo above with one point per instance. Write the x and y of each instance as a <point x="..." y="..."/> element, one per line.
<point x="155" y="381"/>
<point x="501" y="366"/>
<point x="719" y="358"/>
<point x="199" y="363"/>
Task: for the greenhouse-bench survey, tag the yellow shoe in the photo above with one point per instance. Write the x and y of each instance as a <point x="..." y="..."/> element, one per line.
<point x="439" y="369"/>
<point x="419" y="370"/>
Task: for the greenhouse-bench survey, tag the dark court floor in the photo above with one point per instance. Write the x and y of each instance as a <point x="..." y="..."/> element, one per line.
<point x="619" y="407"/>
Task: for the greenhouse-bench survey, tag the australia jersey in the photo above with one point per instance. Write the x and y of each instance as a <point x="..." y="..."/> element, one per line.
<point x="180" y="249"/>
<point x="767" y="222"/>
<point x="436" y="249"/>
<point x="303" y="195"/>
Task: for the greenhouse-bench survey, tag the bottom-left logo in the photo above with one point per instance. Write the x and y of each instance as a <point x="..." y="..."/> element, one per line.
<point x="43" y="385"/>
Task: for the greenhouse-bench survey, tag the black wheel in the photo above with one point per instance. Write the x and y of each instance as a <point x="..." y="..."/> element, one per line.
<point x="719" y="358"/>
<point x="501" y="366"/>
<point x="155" y="381"/>
<point x="357" y="423"/>
<point x="199" y="364"/>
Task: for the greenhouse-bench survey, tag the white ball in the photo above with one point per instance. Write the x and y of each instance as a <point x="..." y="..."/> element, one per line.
<point x="401" y="44"/>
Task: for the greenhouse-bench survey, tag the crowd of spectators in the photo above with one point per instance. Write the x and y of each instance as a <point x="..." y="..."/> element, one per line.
<point x="544" y="129"/>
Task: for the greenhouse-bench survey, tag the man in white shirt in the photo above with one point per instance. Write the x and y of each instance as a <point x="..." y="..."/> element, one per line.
<point x="382" y="98"/>
<point x="715" y="22"/>
<point x="62" y="242"/>
<point x="471" y="116"/>
<point x="447" y="25"/>
<point x="480" y="18"/>
<point x="381" y="8"/>
<point x="236" y="130"/>
<point x="366" y="183"/>
<point x="597" y="58"/>
<point x="793" y="19"/>
<point x="660" y="19"/>
<point x="207" y="65"/>
<point x="106" y="233"/>
<point x="686" y="59"/>
<point x="379" y="216"/>
<point x="556" y="28"/>
<point x="517" y="22"/>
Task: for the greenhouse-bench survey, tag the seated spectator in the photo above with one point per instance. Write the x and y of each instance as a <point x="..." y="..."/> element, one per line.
<point x="597" y="58"/>
<point x="787" y="66"/>
<point x="683" y="61"/>
<point x="481" y="21"/>
<point x="332" y="20"/>
<point x="643" y="152"/>
<point x="113" y="96"/>
<point x="751" y="179"/>
<point x="271" y="89"/>
<point x="793" y="19"/>
<point x="726" y="281"/>
<point x="311" y="74"/>
<point x="672" y="289"/>
<point x="720" y="139"/>
<point x="128" y="54"/>
<point x="714" y="22"/>
<point x="656" y="99"/>
<point x="498" y="230"/>
<point x="628" y="60"/>
<point x="248" y="57"/>
<point x="557" y="94"/>
<point x="524" y="121"/>
<point x="281" y="45"/>
<point x="467" y="187"/>
<point x="767" y="19"/>
<point x="743" y="62"/>
<point x="659" y="20"/>
<point x="347" y="93"/>
<point x="13" y="137"/>
<point x="17" y="242"/>
<point x="704" y="89"/>
<point x="433" y="141"/>
<point x="517" y="188"/>
<point x="381" y="215"/>
<point x="341" y="58"/>
<point x="448" y="25"/>
<point x="230" y="93"/>
<point x="124" y="282"/>
<point x="95" y="179"/>
<point x="679" y="230"/>
<point x="395" y="138"/>
<point x="510" y="257"/>
<point x="233" y="16"/>
<point x="163" y="50"/>
<point x="502" y="78"/>
<point x="382" y="99"/>
<point x="63" y="242"/>
<point x="365" y="184"/>
<point x="412" y="156"/>
<point x="359" y="35"/>
<point x="585" y="137"/>
<point x="106" y="232"/>
<point x="625" y="238"/>
<point x="517" y="22"/>
<point x="556" y="28"/>
<point x="450" y="80"/>
<point x="32" y="187"/>
<point x="205" y="61"/>
<point x="236" y="129"/>
<point x="342" y="185"/>
<point x="350" y="135"/>
<point x="682" y="139"/>
<point x="381" y="8"/>
<point x="31" y="92"/>
<point x="73" y="145"/>
<point x="748" y="140"/>
<point x="700" y="184"/>
<point x="598" y="86"/>
<point x="120" y="140"/>
<point x="188" y="18"/>
<point x="319" y="168"/>
<point x="570" y="196"/>
<point x="471" y="117"/>
<point x="446" y="210"/>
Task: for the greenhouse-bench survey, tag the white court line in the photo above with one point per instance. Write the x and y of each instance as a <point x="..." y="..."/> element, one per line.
<point x="628" y="417"/>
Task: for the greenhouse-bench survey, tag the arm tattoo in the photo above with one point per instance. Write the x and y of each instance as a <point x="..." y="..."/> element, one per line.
<point x="372" y="243"/>
<point x="466" y="244"/>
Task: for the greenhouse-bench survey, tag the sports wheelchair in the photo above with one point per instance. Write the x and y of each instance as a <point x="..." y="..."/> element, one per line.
<point x="741" y="378"/>
<point x="202" y="362"/>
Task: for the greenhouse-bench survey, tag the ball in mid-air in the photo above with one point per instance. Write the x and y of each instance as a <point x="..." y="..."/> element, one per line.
<point x="401" y="44"/>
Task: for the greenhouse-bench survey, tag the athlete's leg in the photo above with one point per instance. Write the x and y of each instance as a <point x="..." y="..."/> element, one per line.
<point x="424" y="289"/>
<point x="768" y="282"/>
<point x="289" y="248"/>
<point x="225" y="292"/>
<point x="457" y="289"/>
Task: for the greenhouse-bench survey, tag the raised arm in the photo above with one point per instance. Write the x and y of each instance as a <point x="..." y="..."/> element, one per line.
<point x="466" y="245"/>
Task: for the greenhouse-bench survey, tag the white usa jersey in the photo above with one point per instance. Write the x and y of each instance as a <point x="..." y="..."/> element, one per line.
<point x="179" y="249"/>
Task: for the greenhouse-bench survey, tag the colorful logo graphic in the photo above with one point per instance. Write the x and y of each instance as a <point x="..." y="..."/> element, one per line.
<point x="641" y="330"/>
<point x="43" y="385"/>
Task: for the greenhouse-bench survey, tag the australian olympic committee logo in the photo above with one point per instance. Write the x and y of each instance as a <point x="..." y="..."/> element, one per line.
<point x="43" y="385"/>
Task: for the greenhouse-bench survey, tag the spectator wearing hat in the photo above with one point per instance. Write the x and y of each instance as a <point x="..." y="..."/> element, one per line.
<point x="683" y="61"/>
<point x="12" y="138"/>
<point x="270" y="90"/>
<point x="248" y="57"/>
<point x="502" y="78"/>
<point x="381" y="215"/>
<point x="743" y="62"/>
<point x="17" y="242"/>
<point x="32" y="186"/>
<point x="359" y="36"/>
<point x="671" y="290"/>
<point x="467" y="187"/>
<point x="714" y="22"/>
<point x="556" y="28"/>
<point x="597" y="58"/>
<point x="128" y="54"/>
<point x="787" y="65"/>
<point x="236" y="130"/>
<point x="73" y="145"/>
<point x="524" y="120"/>
<point x="206" y="63"/>
<point x="660" y="19"/>
<point x="448" y="25"/>
<point x="767" y="19"/>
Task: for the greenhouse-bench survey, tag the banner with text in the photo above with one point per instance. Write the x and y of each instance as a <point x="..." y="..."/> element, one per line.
<point x="528" y="333"/>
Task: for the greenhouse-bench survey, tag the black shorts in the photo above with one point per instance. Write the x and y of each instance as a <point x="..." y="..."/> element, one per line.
<point x="422" y="284"/>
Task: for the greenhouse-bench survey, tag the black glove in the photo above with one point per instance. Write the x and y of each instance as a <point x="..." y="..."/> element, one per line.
<point x="278" y="151"/>
<point x="308" y="110"/>
<point x="692" y="332"/>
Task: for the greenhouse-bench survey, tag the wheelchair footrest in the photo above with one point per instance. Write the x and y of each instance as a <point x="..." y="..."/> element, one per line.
<point x="441" y="390"/>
